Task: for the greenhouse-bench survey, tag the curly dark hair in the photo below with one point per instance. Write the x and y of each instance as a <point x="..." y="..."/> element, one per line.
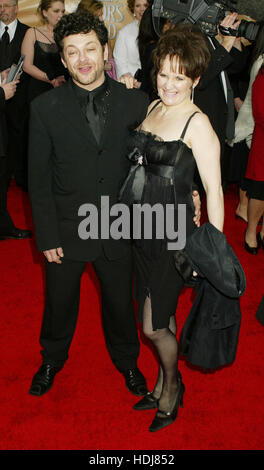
<point x="81" y="22"/>
<point x="189" y="45"/>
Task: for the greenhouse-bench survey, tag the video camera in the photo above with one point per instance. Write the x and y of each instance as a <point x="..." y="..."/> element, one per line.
<point x="207" y="14"/>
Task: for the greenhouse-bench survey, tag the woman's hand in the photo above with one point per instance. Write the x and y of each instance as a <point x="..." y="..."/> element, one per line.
<point x="58" y="81"/>
<point x="108" y="65"/>
<point x="129" y="81"/>
<point x="197" y="207"/>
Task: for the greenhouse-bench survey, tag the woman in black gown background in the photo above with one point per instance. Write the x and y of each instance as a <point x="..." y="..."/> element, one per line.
<point x="42" y="59"/>
<point x="174" y="138"/>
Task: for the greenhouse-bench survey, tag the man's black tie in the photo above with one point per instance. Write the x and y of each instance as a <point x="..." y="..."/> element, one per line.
<point x="93" y="117"/>
<point x="5" y="37"/>
<point x="4" y="50"/>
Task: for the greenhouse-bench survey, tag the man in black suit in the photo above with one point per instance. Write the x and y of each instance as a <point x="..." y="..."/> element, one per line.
<point x="73" y="162"/>
<point x="7" y="227"/>
<point x="12" y="32"/>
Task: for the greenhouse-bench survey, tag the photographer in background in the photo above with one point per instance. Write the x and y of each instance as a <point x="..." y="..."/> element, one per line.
<point x="214" y="95"/>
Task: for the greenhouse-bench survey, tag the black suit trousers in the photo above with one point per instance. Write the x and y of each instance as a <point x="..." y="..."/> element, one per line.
<point x="62" y="306"/>
<point x="17" y="115"/>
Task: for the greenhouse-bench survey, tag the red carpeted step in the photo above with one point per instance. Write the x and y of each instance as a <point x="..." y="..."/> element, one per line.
<point x="89" y="406"/>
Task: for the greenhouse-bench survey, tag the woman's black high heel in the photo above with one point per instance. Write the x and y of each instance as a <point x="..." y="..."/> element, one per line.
<point x="260" y="240"/>
<point x="169" y="417"/>
<point x="253" y="250"/>
<point x="240" y="217"/>
<point x="148" y="402"/>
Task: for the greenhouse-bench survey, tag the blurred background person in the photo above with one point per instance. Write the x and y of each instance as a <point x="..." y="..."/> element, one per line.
<point x="147" y="41"/>
<point x="214" y="95"/>
<point x="7" y="227"/>
<point x="96" y="8"/>
<point x="12" y="32"/>
<point x="244" y="127"/>
<point x="255" y="169"/>
<point x="43" y="61"/>
<point x="126" y="52"/>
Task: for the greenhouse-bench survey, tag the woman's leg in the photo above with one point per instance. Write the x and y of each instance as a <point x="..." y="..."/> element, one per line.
<point x="242" y="207"/>
<point x="166" y="346"/>
<point x="255" y="212"/>
<point x="262" y="230"/>
<point x="158" y="386"/>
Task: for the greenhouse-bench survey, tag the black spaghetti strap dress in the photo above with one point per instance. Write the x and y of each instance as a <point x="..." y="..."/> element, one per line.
<point x="46" y="58"/>
<point x="168" y="168"/>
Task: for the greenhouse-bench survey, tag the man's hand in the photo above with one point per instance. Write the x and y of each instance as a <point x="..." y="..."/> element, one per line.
<point x="129" y="81"/>
<point x="9" y="88"/>
<point x="197" y="207"/>
<point x="230" y="21"/>
<point x="238" y="103"/>
<point x="4" y="74"/>
<point x="54" y="255"/>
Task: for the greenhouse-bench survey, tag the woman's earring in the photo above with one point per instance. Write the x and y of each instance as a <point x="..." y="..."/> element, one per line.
<point x="192" y="94"/>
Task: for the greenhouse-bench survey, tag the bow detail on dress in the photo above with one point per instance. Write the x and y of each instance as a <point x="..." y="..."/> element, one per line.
<point x="133" y="185"/>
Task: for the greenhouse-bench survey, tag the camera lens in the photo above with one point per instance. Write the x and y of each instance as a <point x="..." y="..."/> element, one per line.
<point x="248" y="30"/>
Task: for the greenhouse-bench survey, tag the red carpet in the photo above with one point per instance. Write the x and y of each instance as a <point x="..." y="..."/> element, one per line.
<point x="89" y="406"/>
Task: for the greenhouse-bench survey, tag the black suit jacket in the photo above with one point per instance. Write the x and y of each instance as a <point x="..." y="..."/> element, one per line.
<point x="15" y="107"/>
<point x="14" y="51"/>
<point x="210" y="334"/>
<point x="3" y="131"/>
<point x="67" y="168"/>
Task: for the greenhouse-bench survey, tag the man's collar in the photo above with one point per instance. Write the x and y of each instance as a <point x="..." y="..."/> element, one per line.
<point x="11" y="26"/>
<point x="82" y="92"/>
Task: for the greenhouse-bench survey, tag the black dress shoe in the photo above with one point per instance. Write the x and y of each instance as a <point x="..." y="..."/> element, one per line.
<point x="135" y="381"/>
<point x="148" y="402"/>
<point x="16" y="234"/>
<point x="43" y="379"/>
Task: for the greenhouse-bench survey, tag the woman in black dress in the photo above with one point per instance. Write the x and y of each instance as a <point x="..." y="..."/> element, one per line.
<point x="42" y="59"/>
<point x="174" y="138"/>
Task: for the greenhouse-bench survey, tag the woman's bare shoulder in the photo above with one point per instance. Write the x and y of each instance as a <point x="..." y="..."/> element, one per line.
<point x="30" y="32"/>
<point x="152" y="105"/>
<point x="200" y="121"/>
